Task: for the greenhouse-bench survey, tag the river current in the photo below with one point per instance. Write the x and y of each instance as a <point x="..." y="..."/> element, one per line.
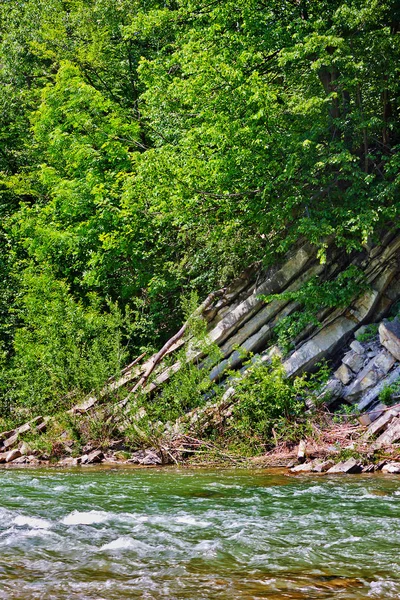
<point x="105" y="534"/>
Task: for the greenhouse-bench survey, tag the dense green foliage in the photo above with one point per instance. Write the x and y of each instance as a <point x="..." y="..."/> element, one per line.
<point x="149" y="149"/>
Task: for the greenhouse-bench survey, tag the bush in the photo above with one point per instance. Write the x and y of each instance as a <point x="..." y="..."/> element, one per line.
<point x="63" y="350"/>
<point x="270" y="406"/>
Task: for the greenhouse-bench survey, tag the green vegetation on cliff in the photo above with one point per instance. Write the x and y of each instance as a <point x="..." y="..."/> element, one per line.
<point x="150" y="150"/>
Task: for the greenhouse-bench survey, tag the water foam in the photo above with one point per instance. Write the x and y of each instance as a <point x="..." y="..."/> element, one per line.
<point x="121" y="543"/>
<point x="90" y="517"/>
<point x="33" y="522"/>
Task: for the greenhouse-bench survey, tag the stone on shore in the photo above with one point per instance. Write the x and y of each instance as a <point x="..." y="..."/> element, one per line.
<point x="303" y="468"/>
<point x="151" y="458"/>
<point x="92" y="458"/>
<point x="322" y="467"/>
<point x="12" y="455"/>
<point x="349" y="466"/>
<point x="392" y="467"/>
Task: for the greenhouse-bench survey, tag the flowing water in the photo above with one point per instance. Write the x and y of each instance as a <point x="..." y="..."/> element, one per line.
<point x="197" y="534"/>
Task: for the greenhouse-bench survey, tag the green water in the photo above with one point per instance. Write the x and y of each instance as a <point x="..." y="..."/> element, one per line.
<point x="197" y="534"/>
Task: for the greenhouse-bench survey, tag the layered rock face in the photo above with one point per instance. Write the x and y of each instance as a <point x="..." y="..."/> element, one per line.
<point x="238" y="317"/>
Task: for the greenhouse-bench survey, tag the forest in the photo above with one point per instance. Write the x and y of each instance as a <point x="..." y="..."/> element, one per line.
<point x="151" y="149"/>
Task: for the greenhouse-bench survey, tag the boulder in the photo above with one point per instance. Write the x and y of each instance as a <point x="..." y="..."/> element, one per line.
<point x="384" y="361"/>
<point x="381" y="424"/>
<point x="392" y="467"/>
<point x="389" y="335"/>
<point x="25" y="449"/>
<point x="354" y="361"/>
<point x="349" y="466"/>
<point x="344" y="374"/>
<point x="322" y="467"/>
<point x="369" y="469"/>
<point x="357" y="347"/>
<point x="390" y="436"/>
<point x="303" y="468"/>
<point x="3" y="457"/>
<point x="370" y="395"/>
<point x="95" y="457"/>
<point x="367" y="378"/>
<point x="331" y="391"/>
<point x="12" y="455"/>
<point x="151" y="458"/>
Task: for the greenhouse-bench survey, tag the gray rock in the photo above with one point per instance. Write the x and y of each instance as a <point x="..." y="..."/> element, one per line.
<point x="319" y="346"/>
<point x="21" y="460"/>
<point x="391" y="435"/>
<point x="11" y="441"/>
<point x="137" y="457"/>
<point x="367" y="378"/>
<point x="392" y="467"/>
<point x="25" y="449"/>
<point x="357" y="347"/>
<point x="349" y="466"/>
<point x="354" y="361"/>
<point x="380" y="424"/>
<point x="23" y="429"/>
<point x="344" y="374"/>
<point x="369" y="469"/>
<point x="7" y="434"/>
<point x="384" y="362"/>
<point x="322" y="467"/>
<point x="151" y="458"/>
<point x="80" y="409"/>
<point x="379" y="466"/>
<point x="304" y="468"/>
<point x="332" y="390"/>
<point x="12" y="455"/>
<point x="370" y="395"/>
<point x="389" y="335"/>
<point x="95" y="457"/>
<point x="41" y="428"/>
<point x="364" y="419"/>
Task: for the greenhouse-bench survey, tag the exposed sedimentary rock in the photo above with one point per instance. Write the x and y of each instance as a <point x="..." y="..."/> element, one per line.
<point x="389" y="333"/>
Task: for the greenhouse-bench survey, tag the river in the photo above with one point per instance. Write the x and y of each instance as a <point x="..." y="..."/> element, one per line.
<point x="104" y="534"/>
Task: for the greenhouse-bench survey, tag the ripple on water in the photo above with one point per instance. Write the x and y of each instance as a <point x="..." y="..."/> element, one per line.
<point x="90" y="517"/>
<point x="197" y="535"/>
